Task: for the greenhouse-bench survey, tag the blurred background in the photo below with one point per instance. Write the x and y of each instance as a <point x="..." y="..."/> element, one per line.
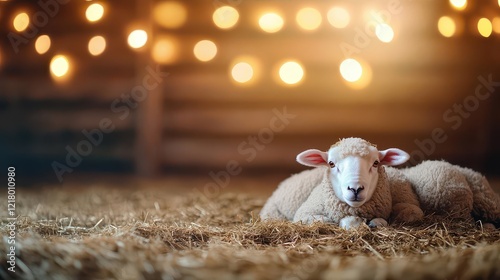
<point x="156" y="87"/>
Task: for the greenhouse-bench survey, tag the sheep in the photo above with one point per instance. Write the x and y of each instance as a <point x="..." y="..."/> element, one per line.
<point x="348" y="185"/>
<point x="446" y="189"/>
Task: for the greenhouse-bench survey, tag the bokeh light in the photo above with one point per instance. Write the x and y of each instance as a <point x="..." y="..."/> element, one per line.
<point x="59" y="66"/>
<point x="205" y="50"/>
<point x="97" y="45"/>
<point x="42" y="44"/>
<point x="165" y="50"/>
<point x="21" y="21"/>
<point x="446" y="26"/>
<point x="309" y="18"/>
<point x="242" y="72"/>
<point x="137" y="38"/>
<point x="291" y="72"/>
<point x="271" y="22"/>
<point x="351" y="70"/>
<point x="94" y="12"/>
<point x="338" y="17"/>
<point x="459" y="4"/>
<point x="384" y="32"/>
<point x="484" y="27"/>
<point x="225" y="17"/>
<point x="170" y="14"/>
<point x="496" y="25"/>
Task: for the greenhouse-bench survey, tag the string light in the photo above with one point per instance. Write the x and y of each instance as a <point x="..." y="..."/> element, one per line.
<point x="291" y="72"/>
<point x="484" y="27"/>
<point x="225" y="17"/>
<point x="94" y="12"/>
<point x="97" y="45"/>
<point x="384" y="32"/>
<point x="271" y="22"/>
<point x="351" y="70"/>
<point x="59" y="67"/>
<point x="309" y="18"/>
<point x="242" y="72"/>
<point x="21" y="22"/>
<point x="496" y="25"/>
<point x="459" y="5"/>
<point x="446" y="26"/>
<point x="165" y="50"/>
<point x="338" y="17"/>
<point x="137" y="38"/>
<point x="170" y="14"/>
<point x="205" y="50"/>
<point x="42" y="44"/>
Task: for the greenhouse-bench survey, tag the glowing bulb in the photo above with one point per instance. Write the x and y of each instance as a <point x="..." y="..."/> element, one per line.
<point x="94" y="12"/>
<point x="170" y="14"/>
<point x="351" y="70"/>
<point x="59" y="66"/>
<point x="309" y="18"/>
<point x="42" y="44"/>
<point x="205" y="50"/>
<point x="484" y="27"/>
<point x="291" y="72"/>
<point x="21" y="22"/>
<point x="165" y="50"/>
<point x="137" y="38"/>
<point x="271" y="22"/>
<point x="459" y="4"/>
<point x="242" y="72"/>
<point x="384" y="32"/>
<point x="496" y="24"/>
<point x="225" y="17"/>
<point x="97" y="45"/>
<point x="446" y="26"/>
<point x="338" y="17"/>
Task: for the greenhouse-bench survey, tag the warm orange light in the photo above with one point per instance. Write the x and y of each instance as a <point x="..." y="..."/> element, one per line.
<point x="291" y="72"/>
<point x="356" y="73"/>
<point x="59" y="66"/>
<point x="459" y="5"/>
<point x="338" y="17"/>
<point x="21" y="22"/>
<point x="484" y="27"/>
<point x="42" y="44"/>
<point x="384" y="32"/>
<point x="97" y="45"/>
<point x="446" y="26"/>
<point x="496" y="25"/>
<point x="271" y="22"/>
<point x="170" y="14"/>
<point x="137" y="38"/>
<point x="94" y="12"/>
<point x="242" y="72"/>
<point x="225" y="17"/>
<point x="309" y="18"/>
<point x="205" y="50"/>
<point x="165" y="50"/>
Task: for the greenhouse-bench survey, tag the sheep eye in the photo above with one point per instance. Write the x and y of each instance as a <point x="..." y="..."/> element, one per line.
<point x="375" y="164"/>
<point x="332" y="165"/>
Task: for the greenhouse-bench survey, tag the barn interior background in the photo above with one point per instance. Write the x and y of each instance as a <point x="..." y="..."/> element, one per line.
<point x="189" y="87"/>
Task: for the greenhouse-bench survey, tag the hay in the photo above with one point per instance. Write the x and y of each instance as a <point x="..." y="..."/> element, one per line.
<point x="150" y="234"/>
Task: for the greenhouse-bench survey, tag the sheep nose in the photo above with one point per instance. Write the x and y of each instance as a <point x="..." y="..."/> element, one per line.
<point x="357" y="190"/>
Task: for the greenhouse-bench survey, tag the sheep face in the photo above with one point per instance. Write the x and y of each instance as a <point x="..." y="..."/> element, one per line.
<point x="354" y="165"/>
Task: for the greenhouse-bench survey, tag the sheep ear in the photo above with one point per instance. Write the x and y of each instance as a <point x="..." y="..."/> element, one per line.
<point x="393" y="157"/>
<point x="313" y="158"/>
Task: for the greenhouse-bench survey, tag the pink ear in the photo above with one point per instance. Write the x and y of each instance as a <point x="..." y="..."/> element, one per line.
<point x="393" y="157"/>
<point x="312" y="158"/>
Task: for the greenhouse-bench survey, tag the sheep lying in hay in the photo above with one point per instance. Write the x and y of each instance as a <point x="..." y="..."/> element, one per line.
<point x="348" y="185"/>
<point x="353" y="183"/>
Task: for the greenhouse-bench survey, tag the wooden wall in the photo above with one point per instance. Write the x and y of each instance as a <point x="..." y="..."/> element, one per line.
<point x="205" y="120"/>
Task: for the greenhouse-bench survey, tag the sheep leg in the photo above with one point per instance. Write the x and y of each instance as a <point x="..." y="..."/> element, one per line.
<point x="270" y="211"/>
<point x="350" y="222"/>
<point x="406" y="213"/>
<point x="377" y="222"/>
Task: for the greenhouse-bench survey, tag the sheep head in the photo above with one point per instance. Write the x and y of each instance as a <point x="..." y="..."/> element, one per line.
<point x="354" y="164"/>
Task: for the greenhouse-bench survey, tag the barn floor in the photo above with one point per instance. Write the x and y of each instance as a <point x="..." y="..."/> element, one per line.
<point x="173" y="228"/>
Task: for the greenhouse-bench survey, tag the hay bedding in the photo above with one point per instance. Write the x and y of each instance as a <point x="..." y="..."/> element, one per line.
<point x="150" y="234"/>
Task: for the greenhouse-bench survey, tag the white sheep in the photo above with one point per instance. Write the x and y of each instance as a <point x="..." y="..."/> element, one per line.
<point x="348" y="186"/>
<point x="451" y="190"/>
